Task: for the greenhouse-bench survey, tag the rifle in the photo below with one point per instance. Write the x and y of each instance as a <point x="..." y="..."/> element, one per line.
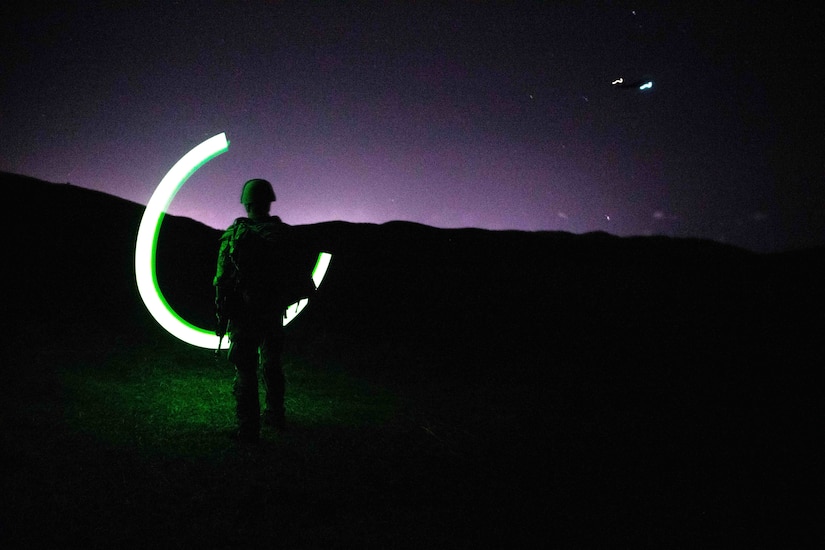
<point x="222" y="326"/>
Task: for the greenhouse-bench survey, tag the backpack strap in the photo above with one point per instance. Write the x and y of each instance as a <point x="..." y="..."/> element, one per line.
<point x="236" y="229"/>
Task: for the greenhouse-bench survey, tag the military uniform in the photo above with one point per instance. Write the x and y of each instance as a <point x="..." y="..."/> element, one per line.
<point x="256" y="333"/>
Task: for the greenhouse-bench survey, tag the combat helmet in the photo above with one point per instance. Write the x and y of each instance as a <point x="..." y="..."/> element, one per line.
<point x="257" y="190"/>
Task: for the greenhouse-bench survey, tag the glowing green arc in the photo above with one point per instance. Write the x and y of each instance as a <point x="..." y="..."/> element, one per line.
<point x="146" y="248"/>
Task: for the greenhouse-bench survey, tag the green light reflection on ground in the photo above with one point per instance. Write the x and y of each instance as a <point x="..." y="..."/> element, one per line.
<point x="162" y="406"/>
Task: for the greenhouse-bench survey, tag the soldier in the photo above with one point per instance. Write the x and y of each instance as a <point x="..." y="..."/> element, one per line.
<point x="249" y="309"/>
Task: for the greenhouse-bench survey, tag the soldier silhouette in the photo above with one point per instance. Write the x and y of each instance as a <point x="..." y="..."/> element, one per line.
<point x="250" y="310"/>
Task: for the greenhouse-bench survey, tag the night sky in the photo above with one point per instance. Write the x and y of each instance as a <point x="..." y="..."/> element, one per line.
<point x="499" y="116"/>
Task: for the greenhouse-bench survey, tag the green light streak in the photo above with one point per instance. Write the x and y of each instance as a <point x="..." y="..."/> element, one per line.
<point x="146" y="249"/>
<point x="147" y="240"/>
<point x="318" y="272"/>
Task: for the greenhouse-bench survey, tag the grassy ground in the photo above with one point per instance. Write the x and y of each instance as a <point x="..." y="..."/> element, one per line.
<point x="129" y="447"/>
<point x="124" y="443"/>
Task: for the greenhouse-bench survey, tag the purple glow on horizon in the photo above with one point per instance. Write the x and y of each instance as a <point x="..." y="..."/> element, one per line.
<point x="460" y="116"/>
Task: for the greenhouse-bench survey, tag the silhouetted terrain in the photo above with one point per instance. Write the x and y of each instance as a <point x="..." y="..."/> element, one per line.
<point x="573" y="389"/>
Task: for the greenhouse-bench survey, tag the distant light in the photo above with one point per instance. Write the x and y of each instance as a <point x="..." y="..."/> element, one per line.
<point x="147" y="241"/>
<point x="646" y="86"/>
<point x="618" y="81"/>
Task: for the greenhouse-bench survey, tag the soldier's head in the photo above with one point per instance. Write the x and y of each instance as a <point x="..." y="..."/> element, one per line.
<point x="257" y="197"/>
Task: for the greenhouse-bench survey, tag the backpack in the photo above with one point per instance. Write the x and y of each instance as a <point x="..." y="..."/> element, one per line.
<point x="272" y="268"/>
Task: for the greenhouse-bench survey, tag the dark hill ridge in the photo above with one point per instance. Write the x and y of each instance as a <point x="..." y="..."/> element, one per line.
<point x="633" y="362"/>
<point x="74" y="253"/>
<point x="476" y="294"/>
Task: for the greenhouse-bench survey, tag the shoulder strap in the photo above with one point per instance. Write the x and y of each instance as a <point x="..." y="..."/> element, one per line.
<point x="235" y="231"/>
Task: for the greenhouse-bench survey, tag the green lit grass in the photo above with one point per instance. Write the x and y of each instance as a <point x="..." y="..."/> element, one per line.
<point x="128" y="447"/>
<point x="179" y="402"/>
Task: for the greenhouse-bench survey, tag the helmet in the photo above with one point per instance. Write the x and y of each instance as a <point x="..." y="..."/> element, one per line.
<point x="257" y="190"/>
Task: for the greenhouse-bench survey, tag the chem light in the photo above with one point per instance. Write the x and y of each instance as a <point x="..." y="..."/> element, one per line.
<point x="147" y="241"/>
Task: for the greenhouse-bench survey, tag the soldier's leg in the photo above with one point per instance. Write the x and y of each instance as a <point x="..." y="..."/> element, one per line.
<point x="243" y="353"/>
<point x="273" y="376"/>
